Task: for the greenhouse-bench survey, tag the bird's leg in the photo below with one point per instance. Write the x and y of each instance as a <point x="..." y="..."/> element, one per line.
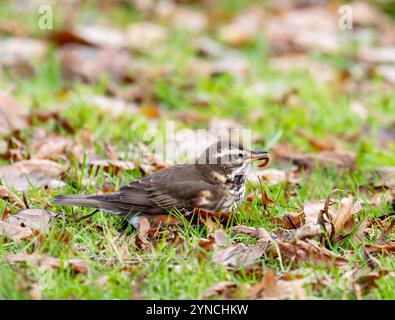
<point x="86" y="216"/>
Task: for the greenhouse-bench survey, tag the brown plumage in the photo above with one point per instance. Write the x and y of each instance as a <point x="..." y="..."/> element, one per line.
<point x="215" y="183"/>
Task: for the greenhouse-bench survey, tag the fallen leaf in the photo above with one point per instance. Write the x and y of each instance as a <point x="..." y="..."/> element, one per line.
<point x="34" y="219"/>
<point x="344" y="217"/>
<point x="207" y="47"/>
<point x="377" y="55"/>
<point x="290" y="220"/>
<point x="387" y="176"/>
<point x="21" y="51"/>
<point x="207" y="244"/>
<point x="117" y="165"/>
<point x="260" y="233"/>
<point x="311" y="28"/>
<point x="386" y="248"/>
<point x="12" y="197"/>
<point x="221" y="239"/>
<point x="89" y="64"/>
<point x="113" y="107"/>
<point x="239" y="255"/>
<point x="244" y="28"/>
<point x="317" y="144"/>
<point x="308" y="251"/>
<point x="36" y="172"/>
<point x="328" y="159"/>
<point x="144" y="35"/>
<point x="35" y="291"/>
<point x="223" y="288"/>
<point x="51" y="147"/>
<point x="143" y="230"/>
<point x="275" y="176"/>
<point x="188" y="19"/>
<point x="272" y="288"/>
<point x="78" y="265"/>
<point x="12" y="115"/>
<point x="14" y="232"/>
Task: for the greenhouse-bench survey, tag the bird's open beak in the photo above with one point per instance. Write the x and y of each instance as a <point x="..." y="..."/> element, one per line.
<point x="263" y="156"/>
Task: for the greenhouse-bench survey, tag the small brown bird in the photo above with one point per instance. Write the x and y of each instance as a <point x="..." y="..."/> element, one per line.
<point x="214" y="183"/>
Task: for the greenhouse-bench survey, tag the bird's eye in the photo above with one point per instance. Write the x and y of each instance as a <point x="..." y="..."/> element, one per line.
<point x="241" y="155"/>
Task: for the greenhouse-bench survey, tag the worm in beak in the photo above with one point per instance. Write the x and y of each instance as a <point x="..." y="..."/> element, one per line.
<point x="263" y="156"/>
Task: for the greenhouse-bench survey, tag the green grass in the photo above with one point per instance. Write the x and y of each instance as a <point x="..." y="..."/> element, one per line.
<point x="176" y="272"/>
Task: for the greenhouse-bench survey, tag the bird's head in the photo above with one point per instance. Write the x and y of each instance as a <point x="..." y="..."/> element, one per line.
<point x="231" y="157"/>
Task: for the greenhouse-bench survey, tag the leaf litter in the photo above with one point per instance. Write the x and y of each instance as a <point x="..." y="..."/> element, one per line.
<point x="314" y="233"/>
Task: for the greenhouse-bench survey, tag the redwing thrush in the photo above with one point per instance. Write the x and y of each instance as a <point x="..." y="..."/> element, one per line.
<point x="214" y="183"/>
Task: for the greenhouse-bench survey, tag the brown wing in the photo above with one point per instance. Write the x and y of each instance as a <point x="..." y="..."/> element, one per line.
<point x="178" y="187"/>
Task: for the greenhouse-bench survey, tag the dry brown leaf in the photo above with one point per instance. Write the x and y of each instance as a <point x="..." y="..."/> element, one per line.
<point x="207" y="244"/>
<point x="36" y="172"/>
<point x="239" y="255"/>
<point x="320" y="71"/>
<point x="312" y="226"/>
<point x="78" y="265"/>
<point x="235" y="65"/>
<point x="14" y="232"/>
<point x="366" y="14"/>
<point x="344" y="217"/>
<point x="151" y="163"/>
<point x="34" y="219"/>
<point x="117" y="165"/>
<point x="12" y="197"/>
<point x="35" y="291"/>
<point x="387" y="248"/>
<point x="91" y="64"/>
<point x="93" y="35"/>
<point x="317" y="144"/>
<point x="207" y="47"/>
<point x="290" y="220"/>
<point x="144" y="35"/>
<point x="182" y="17"/>
<point x="272" y="288"/>
<point x="274" y="176"/>
<point x="21" y="51"/>
<point x="244" y="28"/>
<point x="143" y="230"/>
<point x="250" y="231"/>
<point x="223" y="288"/>
<point x="308" y="251"/>
<point x="12" y="115"/>
<point x="51" y="147"/>
<point x="257" y="232"/>
<point x="266" y="201"/>
<point x="387" y="176"/>
<point x="339" y="222"/>
<point x="113" y="107"/>
<point x="338" y="160"/>
<point x="221" y="239"/>
<point x="377" y="55"/>
<point x="101" y="36"/>
<point x="313" y="28"/>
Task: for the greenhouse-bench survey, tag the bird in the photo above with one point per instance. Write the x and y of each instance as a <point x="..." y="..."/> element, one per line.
<point x="214" y="182"/>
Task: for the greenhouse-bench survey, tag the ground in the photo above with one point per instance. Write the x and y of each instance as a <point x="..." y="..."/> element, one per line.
<point x="297" y="99"/>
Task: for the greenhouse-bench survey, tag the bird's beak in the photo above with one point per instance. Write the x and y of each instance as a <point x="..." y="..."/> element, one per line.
<point x="263" y="156"/>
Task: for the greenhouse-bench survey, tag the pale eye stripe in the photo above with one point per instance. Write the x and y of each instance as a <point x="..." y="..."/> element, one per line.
<point x="228" y="152"/>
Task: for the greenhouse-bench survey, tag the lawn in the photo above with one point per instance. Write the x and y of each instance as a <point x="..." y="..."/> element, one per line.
<point x="300" y="99"/>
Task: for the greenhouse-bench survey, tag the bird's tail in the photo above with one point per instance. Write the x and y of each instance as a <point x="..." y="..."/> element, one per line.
<point x="92" y="201"/>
